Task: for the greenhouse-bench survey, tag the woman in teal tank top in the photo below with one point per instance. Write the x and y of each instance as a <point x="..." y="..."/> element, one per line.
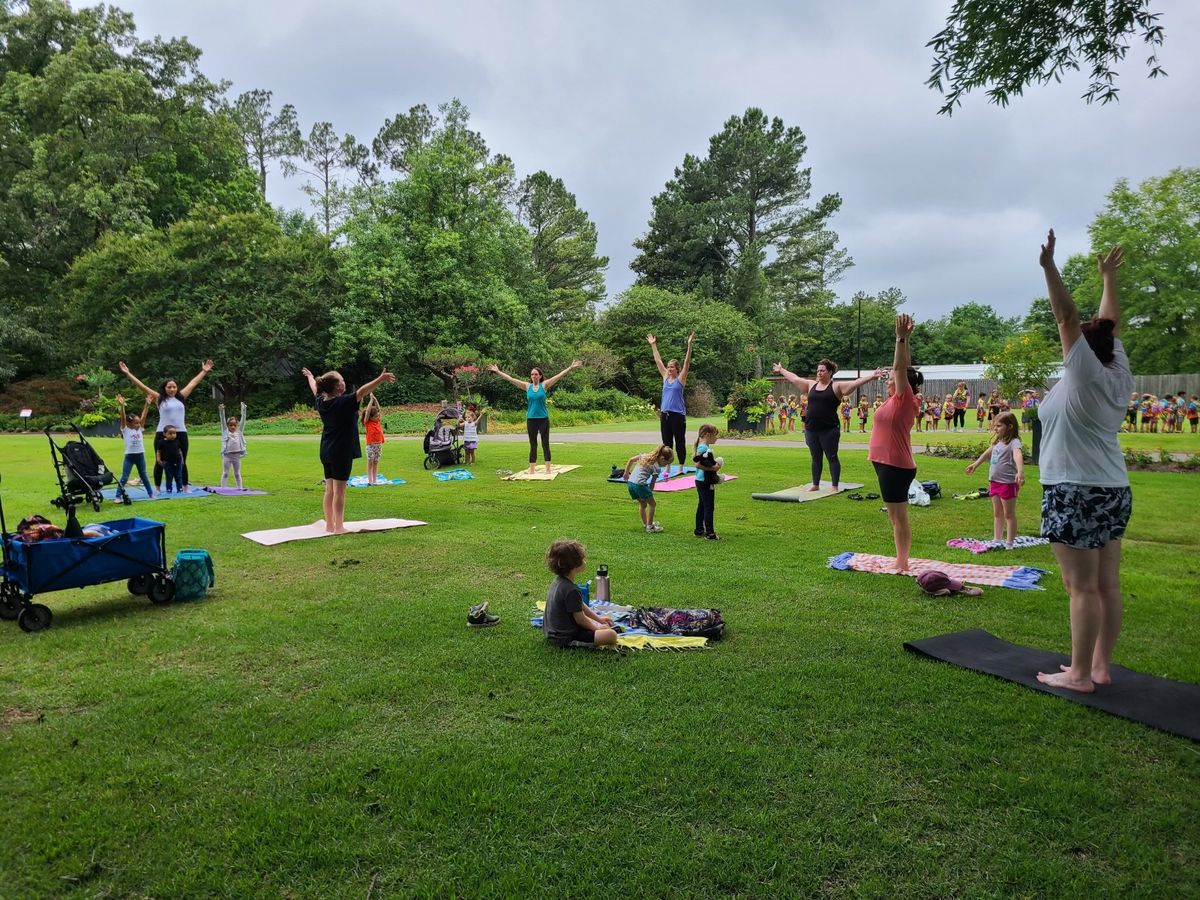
<point x="537" y="417"/>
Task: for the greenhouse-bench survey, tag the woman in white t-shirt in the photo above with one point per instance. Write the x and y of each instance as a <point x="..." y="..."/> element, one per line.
<point x="1086" y="501"/>
<point x="173" y="413"/>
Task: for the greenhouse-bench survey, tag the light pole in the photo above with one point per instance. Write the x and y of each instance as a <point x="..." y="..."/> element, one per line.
<point x="859" y="375"/>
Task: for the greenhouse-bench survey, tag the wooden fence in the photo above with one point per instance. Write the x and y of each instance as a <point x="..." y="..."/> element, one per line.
<point x="1158" y="385"/>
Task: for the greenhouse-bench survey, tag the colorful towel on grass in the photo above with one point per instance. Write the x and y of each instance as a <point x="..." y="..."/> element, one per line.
<point x="632" y="638"/>
<point x="978" y="546"/>
<point x="139" y="495"/>
<point x="540" y="473"/>
<point x="233" y="491"/>
<point x="1021" y="578"/>
<point x="361" y="481"/>
<point x="452" y="475"/>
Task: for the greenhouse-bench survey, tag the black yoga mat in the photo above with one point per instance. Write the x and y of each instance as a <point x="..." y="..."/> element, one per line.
<point x="1171" y="706"/>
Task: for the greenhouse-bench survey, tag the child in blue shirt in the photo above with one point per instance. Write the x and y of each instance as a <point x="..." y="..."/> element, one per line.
<point x="707" y="476"/>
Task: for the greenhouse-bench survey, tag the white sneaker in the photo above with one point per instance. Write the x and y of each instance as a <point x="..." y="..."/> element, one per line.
<point x="655" y="527"/>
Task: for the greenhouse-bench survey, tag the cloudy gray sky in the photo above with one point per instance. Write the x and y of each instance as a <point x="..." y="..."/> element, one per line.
<point x="610" y="96"/>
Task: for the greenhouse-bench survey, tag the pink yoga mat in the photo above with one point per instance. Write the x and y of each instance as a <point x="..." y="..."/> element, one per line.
<point x="684" y="483"/>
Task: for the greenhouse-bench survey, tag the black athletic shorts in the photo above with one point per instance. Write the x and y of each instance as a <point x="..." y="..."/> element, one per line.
<point x="337" y="469"/>
<point x="894" y="482"/>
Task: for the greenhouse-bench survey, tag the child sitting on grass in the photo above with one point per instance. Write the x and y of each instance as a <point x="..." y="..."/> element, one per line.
<point x="135" y="447"/>
<point x="1006" y="476"/>
<point x="233" y="446"/>
<point x="568" y="621"/>
<point x="641" y="472"/>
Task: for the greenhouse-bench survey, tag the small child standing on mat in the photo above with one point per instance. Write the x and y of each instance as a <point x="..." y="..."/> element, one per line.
<point x="233" y="446"/>
<point x="135" y="447"/>
<point x="372" y="418"/>
<point x="568" y="621"/>
<point x="641" y="471"/>
<point x="170" y="457"/>
<point x="707" y="477"/>
<point x="1006" y="476"/>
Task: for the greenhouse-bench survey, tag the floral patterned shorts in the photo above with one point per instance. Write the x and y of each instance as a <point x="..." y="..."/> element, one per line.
<point x="374" y="451"/>
<point x="1085" y="517"/>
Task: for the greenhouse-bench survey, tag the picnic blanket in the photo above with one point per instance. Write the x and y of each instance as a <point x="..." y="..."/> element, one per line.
<point x="631" y="638"/>
<point x="452" y="474"/>
<point x="233" y="491"/>
<point x="361" y="481"/>
<point x="802" y="494"/>
<point x="139" y="495"/>
<point x="980" y="546"/>
<point x="273" y="536"/>
<point x="1021" y="578"/>
<point x="540" y="474"/>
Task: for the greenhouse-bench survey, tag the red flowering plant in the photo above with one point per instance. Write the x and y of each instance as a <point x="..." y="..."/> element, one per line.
<point x="467" y="376"/>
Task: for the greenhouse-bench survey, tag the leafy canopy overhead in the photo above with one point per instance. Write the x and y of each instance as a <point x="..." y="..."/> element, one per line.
<point x="1005" y="45"/>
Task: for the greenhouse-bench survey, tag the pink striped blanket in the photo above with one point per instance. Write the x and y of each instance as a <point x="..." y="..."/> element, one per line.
<point x="1021" y="578"/>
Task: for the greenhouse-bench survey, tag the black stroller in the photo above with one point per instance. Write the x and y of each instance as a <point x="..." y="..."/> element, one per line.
<point x="443" y="444"/>
<point x="81" y="476"/>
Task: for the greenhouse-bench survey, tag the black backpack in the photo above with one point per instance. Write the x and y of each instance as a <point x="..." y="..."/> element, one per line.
<point x="932" y="488"/>
<point x="705" y="623"/>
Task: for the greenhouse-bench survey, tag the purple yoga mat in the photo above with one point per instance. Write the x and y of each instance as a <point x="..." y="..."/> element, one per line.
<point x="234" y="492"/>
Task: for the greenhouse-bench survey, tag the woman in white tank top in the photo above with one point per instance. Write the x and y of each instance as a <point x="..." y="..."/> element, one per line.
<point x="171" y="413"/>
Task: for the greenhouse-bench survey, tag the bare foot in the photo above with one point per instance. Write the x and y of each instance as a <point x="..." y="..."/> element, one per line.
<point x="815" y="487"/>
<point x="834" y="489"/>
<point x="1067" y="681"/>
<point x="1099" y="676"/>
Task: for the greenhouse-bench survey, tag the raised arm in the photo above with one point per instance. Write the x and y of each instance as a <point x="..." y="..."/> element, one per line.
<point x="1110" y="305"/>
<point x="221" y="417"/>
<point x="384" y="377"/>
<point x="242" y="410"/>
<point x="687" y="359"/>
<point x="145" y="410"/>
<point x="653" y="342"/>
<point x="516" y="382"/>
<point x="804" y="384"/>
<point x="845" y="389"/>
<point x="187" y="389"/>
<point x="121" y="411"/>
<point x="312" y="382"/>
<point x="1066" y="313"/>
<point x="144" y="389"/>
<point x="555" y="379"/>
<point x="903" y="357"/>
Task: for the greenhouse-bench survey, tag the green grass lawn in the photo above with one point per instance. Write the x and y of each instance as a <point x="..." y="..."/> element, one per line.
<point x="324" y="728"/>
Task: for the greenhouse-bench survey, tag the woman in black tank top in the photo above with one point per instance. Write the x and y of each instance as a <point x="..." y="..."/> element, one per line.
<point x="821" y="431"/>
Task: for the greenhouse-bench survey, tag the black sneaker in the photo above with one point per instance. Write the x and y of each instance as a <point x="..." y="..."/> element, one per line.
<point x="478" y="617"/>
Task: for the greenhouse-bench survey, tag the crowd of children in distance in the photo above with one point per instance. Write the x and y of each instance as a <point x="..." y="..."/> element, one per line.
<point x="1163" y="416"/>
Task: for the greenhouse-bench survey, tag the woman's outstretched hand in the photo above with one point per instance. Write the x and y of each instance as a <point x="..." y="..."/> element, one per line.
<point x="651" y="340"/>
<point x="1108" y="264"/>
<point x="1047" y="256"/>
<point x="904" y="325"/>
<point x="124" y="368"/>
<point x="386" y="377"/>
<point x="206" y="366"/>
<point x="777" y="368"/>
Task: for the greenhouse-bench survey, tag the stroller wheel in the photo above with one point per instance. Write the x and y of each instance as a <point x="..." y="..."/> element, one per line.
<point x="431" y="461"/>
<point x="162" y="590"/>
<point x="35" y="617"/>
<point x="139" y="585"/>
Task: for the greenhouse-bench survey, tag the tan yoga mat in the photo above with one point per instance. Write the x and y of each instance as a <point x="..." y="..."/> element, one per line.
<point x="802" y="494"/>
<point x="540" y="474"/>
<point x="274" y="536"/>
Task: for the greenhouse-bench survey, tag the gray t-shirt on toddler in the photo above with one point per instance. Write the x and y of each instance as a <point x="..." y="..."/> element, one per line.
<point x="563" y="600"/>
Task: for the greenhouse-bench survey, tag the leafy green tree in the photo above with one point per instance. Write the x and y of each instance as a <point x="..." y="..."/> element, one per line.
<point x="721" y="216"/>
<point x="437" y="261"/>
<point x="1025" y="361"/>
<point x="231" y="286"/>
<point x="102" y="132"/>
<point x="321" y="157"/>
<point x="1006" y="46"/>
<point x="267" y="136"/>
<point x="807" y="334"/>
<point x="564" y="248"/>
<point x="721" y="354"/>
<point x="1158" y="224"/>
<point x="401" y="136"/>
<point x="970" y="332"/>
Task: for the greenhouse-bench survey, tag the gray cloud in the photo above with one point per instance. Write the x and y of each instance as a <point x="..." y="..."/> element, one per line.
<point x="610" y="97"/>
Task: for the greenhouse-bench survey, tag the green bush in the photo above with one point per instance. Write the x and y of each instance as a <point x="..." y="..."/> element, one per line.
<point x="602" y="400"/>
<point x="749" y="397"/>
<point x="958" y="451"/>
